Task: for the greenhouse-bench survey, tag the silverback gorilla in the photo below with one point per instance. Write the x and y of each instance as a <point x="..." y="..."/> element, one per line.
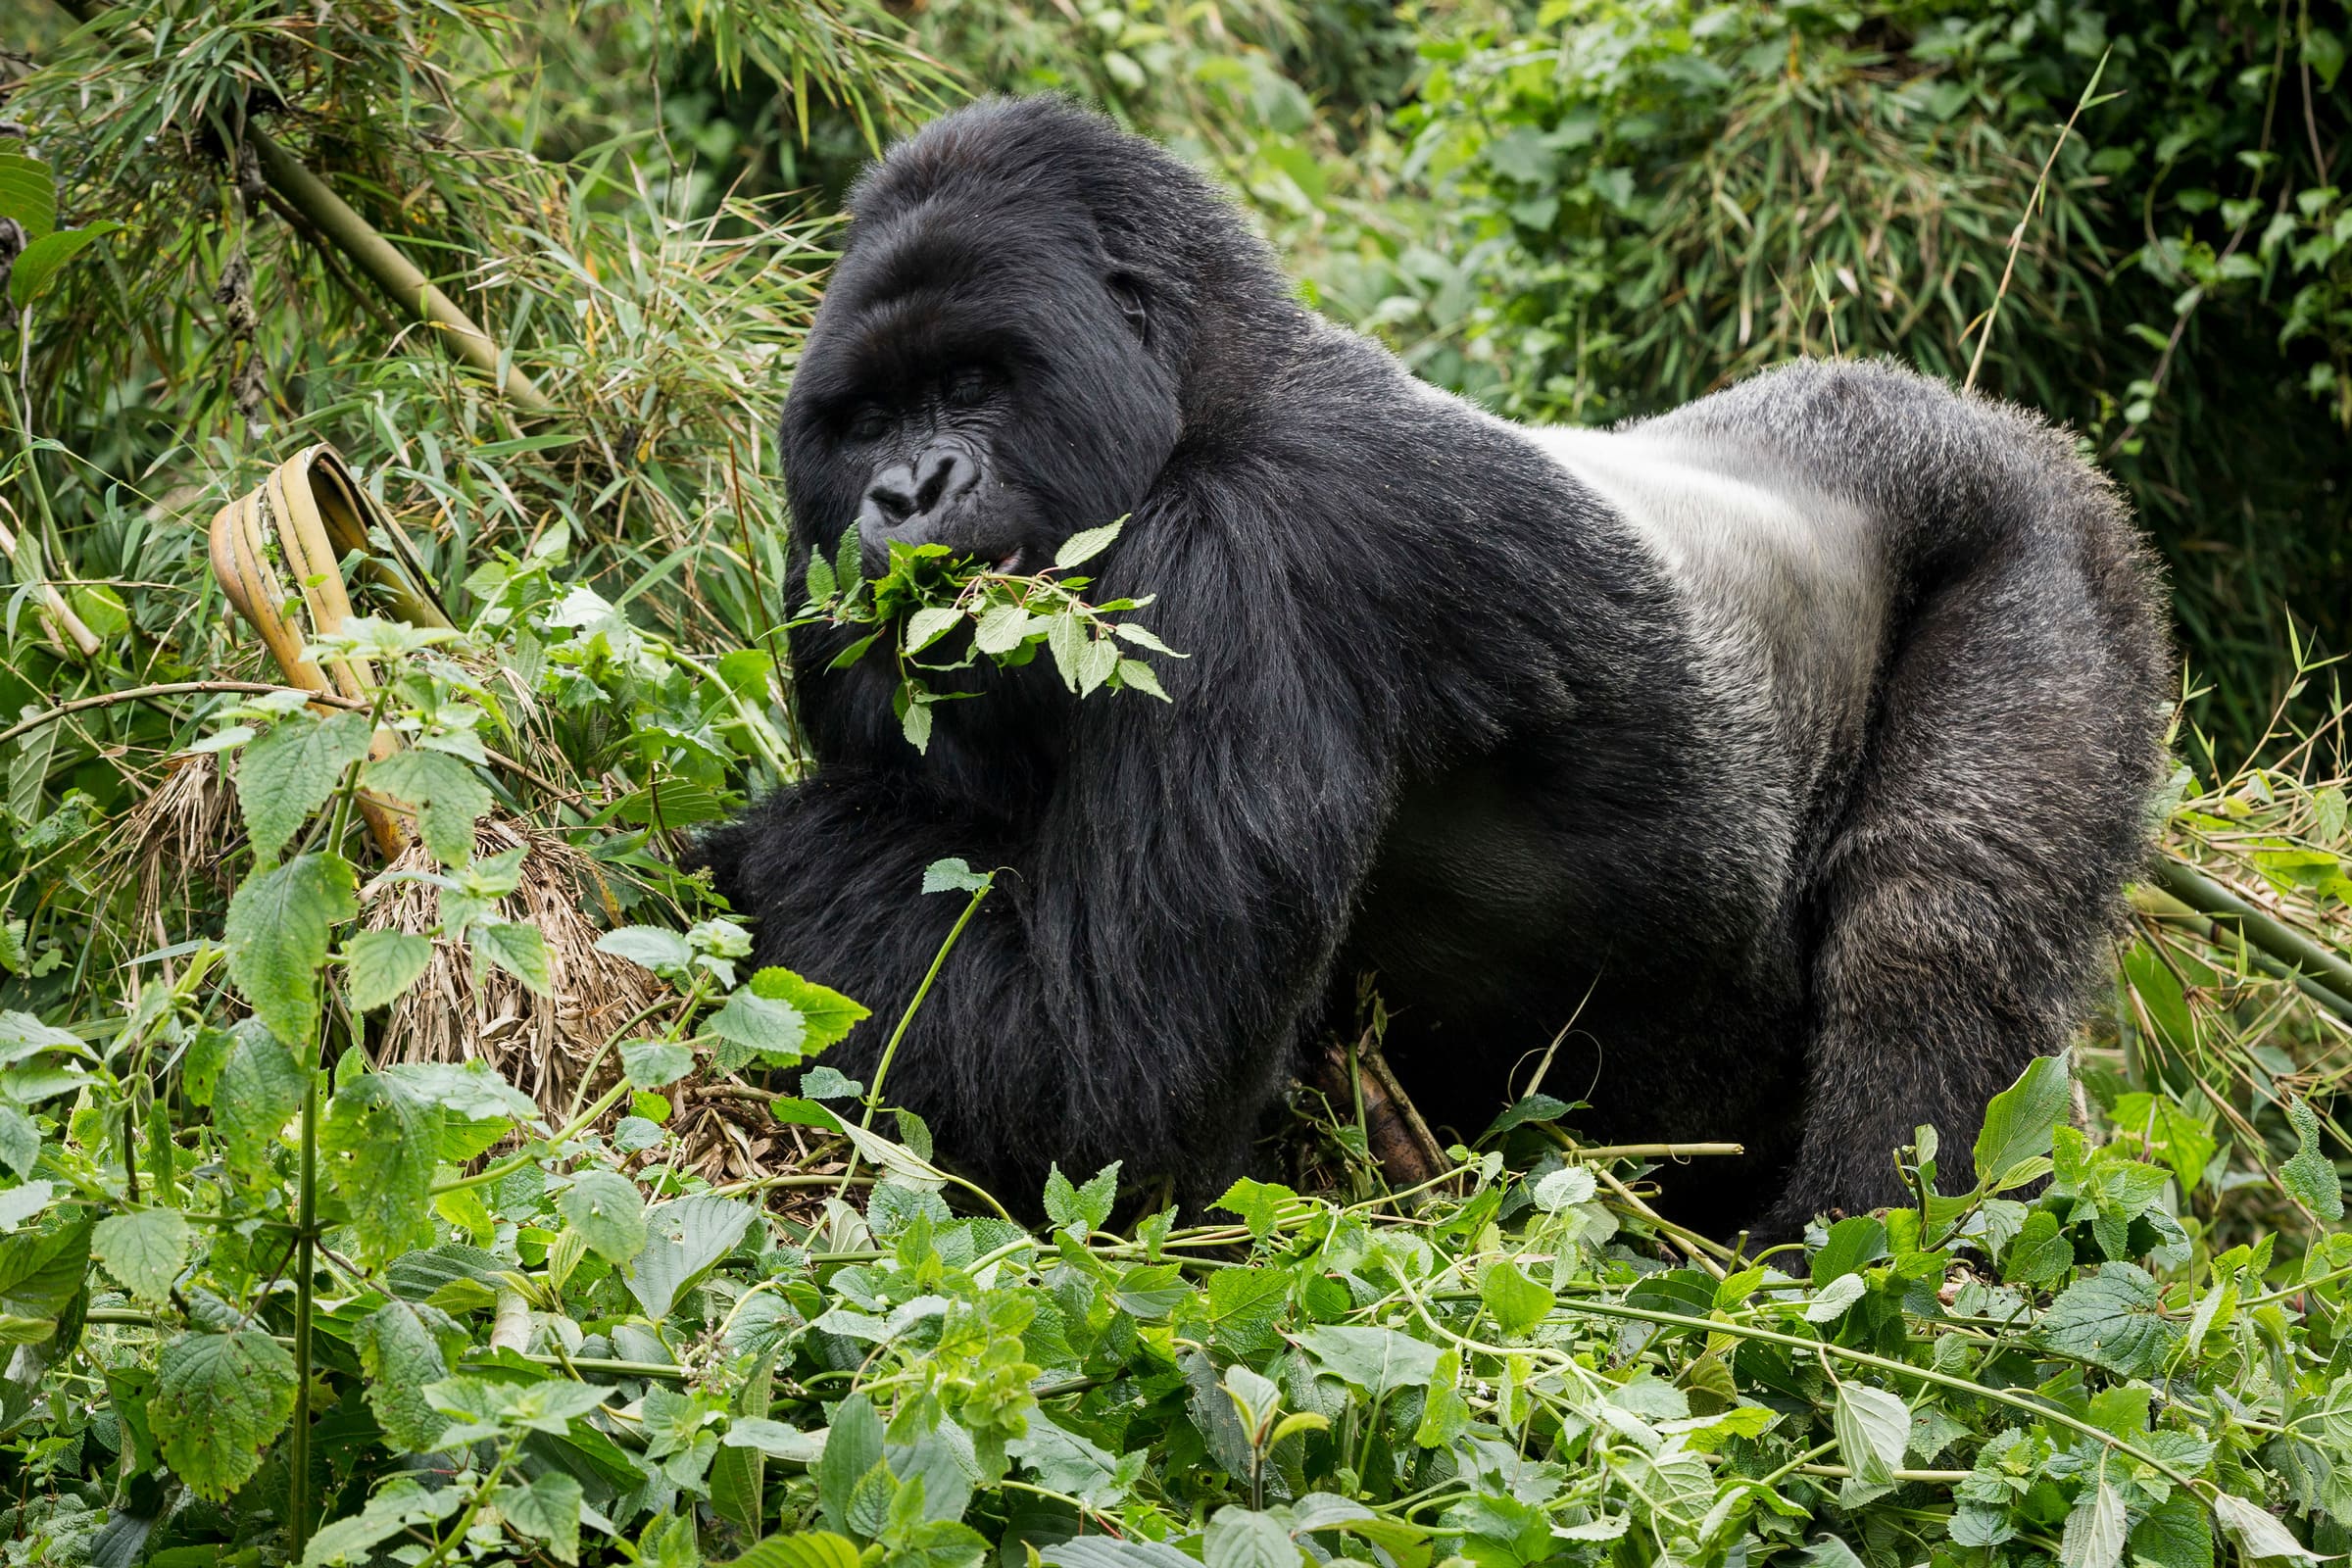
<point x="1793" y="744"/>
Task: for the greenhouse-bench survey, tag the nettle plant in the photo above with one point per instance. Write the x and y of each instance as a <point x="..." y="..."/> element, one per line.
<point x="929" y="593"/>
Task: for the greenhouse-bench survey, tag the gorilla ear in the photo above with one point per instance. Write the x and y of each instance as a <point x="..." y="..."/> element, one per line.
<point x="1127" y="291"/>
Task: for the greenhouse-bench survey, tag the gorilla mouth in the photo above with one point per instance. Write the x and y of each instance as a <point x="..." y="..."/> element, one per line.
<point x="1008" y="563"/>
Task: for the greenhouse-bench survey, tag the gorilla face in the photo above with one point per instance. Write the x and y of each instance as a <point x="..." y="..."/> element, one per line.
<point x="977" y="378"/>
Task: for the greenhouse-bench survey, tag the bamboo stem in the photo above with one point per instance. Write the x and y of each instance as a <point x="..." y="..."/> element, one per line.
<point x="2282" y="942"/>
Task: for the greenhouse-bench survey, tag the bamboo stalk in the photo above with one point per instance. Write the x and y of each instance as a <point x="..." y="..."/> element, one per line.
<point x="2282" y="942"/>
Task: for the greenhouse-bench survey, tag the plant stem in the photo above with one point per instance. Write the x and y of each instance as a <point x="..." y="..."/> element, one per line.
<point x="509" y="1166"/>
<point x="305" y="1225"/>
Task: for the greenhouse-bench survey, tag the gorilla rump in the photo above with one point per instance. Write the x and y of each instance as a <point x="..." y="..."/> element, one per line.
<point x="1787" y="751"/>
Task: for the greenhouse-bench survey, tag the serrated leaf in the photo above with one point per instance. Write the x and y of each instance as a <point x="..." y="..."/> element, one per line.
<point x="1001" y="629"/>
<point x="827" y="1015"/>
<point x="1066" y="641"/>
<point x="378" y="1143"/>
<point x="444" y="791"/>
<point x="1244" y="1538"/>
<point x="756" y="1025"/>
<point x="2173" y="1534"/>
<point x="519" y="949"/>
<point x="220" y="1400"/>
<point x="915" y="724"/>
<point x="1085" y="544"/>
<point x="2309" y="1178"/>
<point x="1835" y="1297"/>
<point x="403" y="1346"/>
<point x="2257" y="1532"/>
<point x="145" y="1249"/>
<point x="1137" y="676"/>
<point x="1518" y="1303"/>
<point x="2094" y="1529"/>
<point x="2112" y="1319"/>
<point x="279" y="926"/>
<point x="548" y="1509"/>
<point x="820" y="579"/>
<point x="1377" y="1360"/>
<point x="379" y="966"/>
<point x="1873" y="1427"/>
<point x="852" y="1447"/>
<point x="1081" y="1211"/>
<point x="954" y="875"/>
<point x="648" y="947"/>
<point x="261" y="1088"/>
<point x="290" y="772"/>
<point x="651" y="1063"/>
<point x="929" y="624"/>
<point x="2022" y="1118"/>
<point x="607" y="1209"/>
<point x="806" y="1548"/>
<point x="684" y="1240"/>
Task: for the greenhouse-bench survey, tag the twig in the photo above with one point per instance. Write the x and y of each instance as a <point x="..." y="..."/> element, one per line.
<point x="2017" y="236"/>
<point x="2282" y="943"/>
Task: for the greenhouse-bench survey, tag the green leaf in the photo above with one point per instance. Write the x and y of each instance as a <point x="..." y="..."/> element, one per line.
<point x="1851" y="1244"/>
<point x="519" y="949"/>
<point x="445" y="792"/>
<point x="1873" y="1427"/>
<point x="852" y="1447"/>
<point x="145" y="1249"/>
<point x="820" y="579"/>
<point x="1243" y="1537"/>
<point x="651" y="1063"/>
<point x="403" y="1347"/>
<point x="260" y="1091"/>
<point x="1083" y="546"/>
<point x="1081" y="1211"/>
<point x="218" y="1401"/>
<point x="684" y="1240"/>
<point x="929" y="624"/>
<point x="1001" y="629"/>
<point x="2309" y="1178"/>
<point x="2113" y="1320"/>
<point x="607" y="1211"/>
<point x="402" y="1505"/>
<point x="2021" y="1120"/>
<point x="378" y="1144"/>
<point x="291" y="771"/>
<point x="2175" y="1533"/>
<point x="1518" y="1303"/>
<point x="2041" y="1255"/>
<point x="827" y="1015"/>
<point x="28" y="194"/>
<point x="44" y="256"/>
<point x="1379" y="1361"/>
<point x="2259" y="1533"/>
<point x="280" y="923"/>
<point x="381" y="965"/>
<point x="954" y="875"/>
<point x="548" y="1509"/>
<point x="756" y="1025"/>
<point x="2094" y="1529"/>
<point x="1260" y="1205"/>
<point x="648" y="947"/>
<point x="808" y="1548"/>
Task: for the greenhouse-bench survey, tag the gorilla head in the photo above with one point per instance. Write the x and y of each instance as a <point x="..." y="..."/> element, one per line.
<point x="1000" y="356"/>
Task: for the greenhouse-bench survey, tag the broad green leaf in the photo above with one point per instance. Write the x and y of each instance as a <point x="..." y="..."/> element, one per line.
<point x="756" y="1027"/>
<point x="808" y="1548"/>
<point x="2257" y="1532"/>
<point x="546" y="1510"/>
<point x="1085" y="544"/>
<point x="1379" y="1361"/>
<point x="852" y="1447"/>
<point x="1852" y="1243"/>
<point x="401" y="1505"/>
<point x="403" y="1347"/>
<point x="2022" y="1118"/>
<point x="1260" y="1205"/>
<point x="2113" y="1320"/>
<point x="1835" y="1299"/>
<point x="519" y="949"/>
<point x="19" y="1204"/>
<point x="381" y="965"/>
<point x="220" y="1400"/>
<point x="2095" y="1528"/>
<point x="1518" y="1303"/>
<point x="1001" y="629"/>
<point x="1243" y="1537"/>
<point x="827" y="1015"/>
<point x="648" y="947"/>
<point x="954" y="875"/>
<point x="929" y="624"/>
<point x="2041" y="1254"/>
<point x="684" y="1240"/>
<point x="280" y="923"/>
<point x="43" y="1269"/>
<point x="145" y="1249"/>
<point x="605" y="1208"/>
<point x="445" y="792"/>
<point x="1081" y="1211"/>
<point x="44" y="256"/>
<point x="1872" y="1426"/>
<point x="290" y="772"/>
<point x="651" y="1063"/>
<point x="2175" y="1533"/>
<point x="2309" y="1178"/>
<point x="378" y="1144"/>
<point x="1066" y="638"/>
<point x="260" y="1091"/>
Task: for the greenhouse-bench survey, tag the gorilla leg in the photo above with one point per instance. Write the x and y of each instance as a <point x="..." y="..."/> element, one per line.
<point x="1963" y="902"/>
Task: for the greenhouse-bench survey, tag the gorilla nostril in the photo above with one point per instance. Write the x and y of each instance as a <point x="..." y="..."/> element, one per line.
<point x="946" y="475"/>
<point x="892" y="495"/>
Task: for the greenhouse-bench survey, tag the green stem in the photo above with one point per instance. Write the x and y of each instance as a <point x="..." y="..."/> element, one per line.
<point x="473" y="1507"/>
<point x="509" y="1166"/>
<point x="306" y="1227"/>
<point x="2329" y="970"/>
<point x="873" y="1095"/>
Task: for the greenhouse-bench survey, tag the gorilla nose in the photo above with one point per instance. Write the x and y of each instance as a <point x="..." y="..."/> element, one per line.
<point x="908" y="500"/>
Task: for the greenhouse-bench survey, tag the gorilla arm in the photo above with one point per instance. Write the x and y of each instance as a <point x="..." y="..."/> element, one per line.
<point x="1133" y="986"/>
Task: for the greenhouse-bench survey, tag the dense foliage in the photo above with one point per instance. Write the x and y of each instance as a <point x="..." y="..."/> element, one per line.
<point x="431" y="1205"/>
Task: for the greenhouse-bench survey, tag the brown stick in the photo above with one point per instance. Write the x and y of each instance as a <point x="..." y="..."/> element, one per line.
<point x="1399" y="1139"/>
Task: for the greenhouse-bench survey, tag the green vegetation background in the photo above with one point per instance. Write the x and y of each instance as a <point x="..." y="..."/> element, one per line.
<point x="318" y="1236"/>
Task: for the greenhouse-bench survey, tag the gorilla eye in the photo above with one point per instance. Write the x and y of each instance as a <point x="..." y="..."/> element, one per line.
<point x="869" y="423"/>
<point x="968" y="386"/>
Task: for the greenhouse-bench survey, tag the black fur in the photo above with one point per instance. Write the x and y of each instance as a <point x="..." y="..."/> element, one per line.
<point x="1448" y="719"/>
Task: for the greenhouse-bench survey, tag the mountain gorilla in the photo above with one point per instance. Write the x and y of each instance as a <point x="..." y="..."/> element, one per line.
<point x="1785" y="752"/>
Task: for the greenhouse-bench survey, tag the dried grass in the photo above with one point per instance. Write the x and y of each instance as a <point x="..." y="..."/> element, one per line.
<point x="175" y="839"/>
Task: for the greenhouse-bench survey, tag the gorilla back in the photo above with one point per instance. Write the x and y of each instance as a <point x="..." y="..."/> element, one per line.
<point x="1783" y="756"/>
